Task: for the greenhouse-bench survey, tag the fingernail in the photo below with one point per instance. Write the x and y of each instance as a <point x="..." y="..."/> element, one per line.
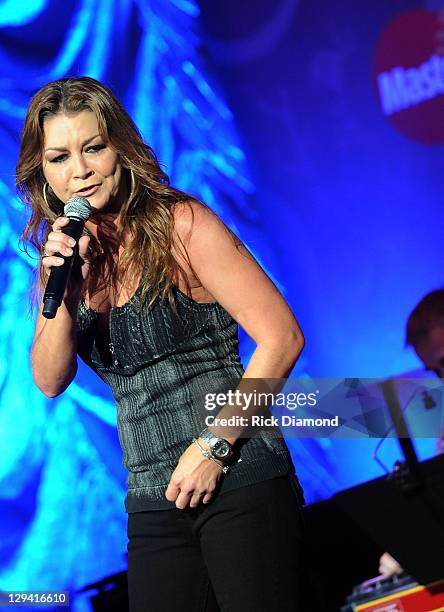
<point x="71" y="242"/>
<point x="60" y="260"/>
<point x="69" y="252"/>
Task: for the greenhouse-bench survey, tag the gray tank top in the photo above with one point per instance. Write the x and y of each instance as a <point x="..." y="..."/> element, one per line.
<point x="159" y="365"/>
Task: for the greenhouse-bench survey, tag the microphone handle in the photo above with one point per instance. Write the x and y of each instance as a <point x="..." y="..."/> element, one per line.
<point x="59" y="275"/>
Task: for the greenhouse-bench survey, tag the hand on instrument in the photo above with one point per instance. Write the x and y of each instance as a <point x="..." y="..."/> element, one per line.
<point x="389" y="566"/>
<point x="194" y="480"/>
<point x="58" y="242"/>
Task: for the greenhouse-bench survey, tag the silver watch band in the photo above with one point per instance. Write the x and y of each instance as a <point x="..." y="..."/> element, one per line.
<point x="214" y="441"/>
<point x="209" y="437"/>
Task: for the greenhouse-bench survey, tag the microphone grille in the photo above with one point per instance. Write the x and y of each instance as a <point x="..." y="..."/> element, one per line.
<point x="79" y="207"/>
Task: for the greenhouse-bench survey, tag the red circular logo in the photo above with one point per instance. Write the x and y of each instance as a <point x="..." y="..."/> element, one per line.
<point x="408" y="75"/>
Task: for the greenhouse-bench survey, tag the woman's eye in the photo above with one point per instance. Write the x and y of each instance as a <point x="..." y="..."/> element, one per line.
<point x="96" y="148"/>
<point x="58" y="159"/>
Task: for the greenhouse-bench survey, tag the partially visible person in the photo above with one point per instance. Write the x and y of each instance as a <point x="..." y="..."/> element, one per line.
<point x="425" y="333"/>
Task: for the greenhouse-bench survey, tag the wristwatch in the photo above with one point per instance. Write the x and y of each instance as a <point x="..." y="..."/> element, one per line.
<point x="220" y="448"/>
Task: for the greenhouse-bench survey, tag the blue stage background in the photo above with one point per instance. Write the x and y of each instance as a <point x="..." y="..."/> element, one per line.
<point x="267" y="112"/>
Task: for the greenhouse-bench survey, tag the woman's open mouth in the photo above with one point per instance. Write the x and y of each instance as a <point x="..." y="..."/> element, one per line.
<point x="87" y="191"/>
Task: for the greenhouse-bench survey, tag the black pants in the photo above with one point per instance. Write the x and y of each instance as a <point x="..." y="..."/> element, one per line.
<point x="244" y="551"/>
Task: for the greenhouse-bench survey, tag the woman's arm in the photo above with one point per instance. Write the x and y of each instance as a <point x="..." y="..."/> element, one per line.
<point x="54" y="349"/>
<point x="53" y="352"/>
<point x="232" y="276"/>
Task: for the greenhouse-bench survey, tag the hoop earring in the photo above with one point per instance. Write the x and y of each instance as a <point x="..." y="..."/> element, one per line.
<point x="45" y="194"/>
<point x="133" y="185"/>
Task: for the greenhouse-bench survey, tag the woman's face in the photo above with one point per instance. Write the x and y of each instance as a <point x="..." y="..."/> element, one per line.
<point x="76" y="161"/>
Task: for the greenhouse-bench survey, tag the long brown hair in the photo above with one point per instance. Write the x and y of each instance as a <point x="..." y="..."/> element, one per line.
<point x="147" y="213"/>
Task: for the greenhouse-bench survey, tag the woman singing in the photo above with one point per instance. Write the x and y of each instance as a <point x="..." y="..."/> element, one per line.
<point x="152" y="306"/>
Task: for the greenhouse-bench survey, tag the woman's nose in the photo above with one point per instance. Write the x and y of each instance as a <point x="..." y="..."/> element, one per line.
<point x="80" y="167"/>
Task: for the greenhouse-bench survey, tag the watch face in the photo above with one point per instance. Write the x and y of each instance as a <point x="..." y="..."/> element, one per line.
<point x="221" y="449"/>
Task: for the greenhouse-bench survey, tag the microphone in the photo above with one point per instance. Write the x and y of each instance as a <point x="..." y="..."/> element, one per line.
<point x="78" y="210"/>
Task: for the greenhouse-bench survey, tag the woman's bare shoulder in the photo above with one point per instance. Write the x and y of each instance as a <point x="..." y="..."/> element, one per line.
<point x="191" y="217"/>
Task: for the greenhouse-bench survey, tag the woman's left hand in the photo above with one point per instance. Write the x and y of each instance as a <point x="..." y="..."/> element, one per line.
<point x="194" y="480"/>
